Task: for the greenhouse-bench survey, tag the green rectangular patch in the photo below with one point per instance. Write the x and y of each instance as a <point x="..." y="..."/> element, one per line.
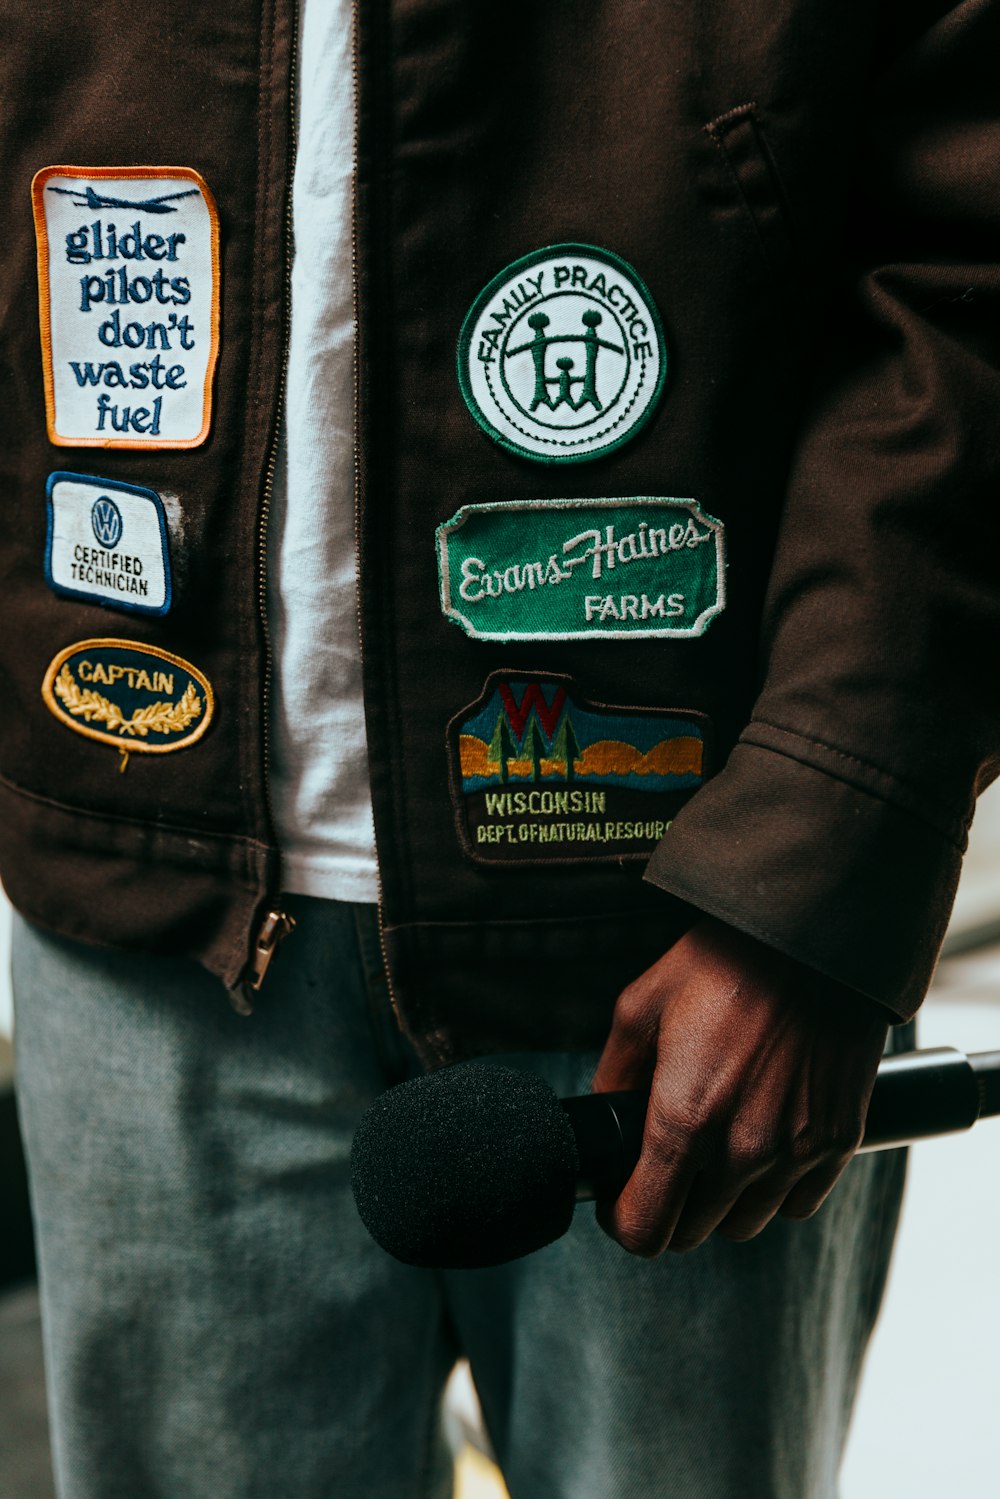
<point x="604" y="569"/>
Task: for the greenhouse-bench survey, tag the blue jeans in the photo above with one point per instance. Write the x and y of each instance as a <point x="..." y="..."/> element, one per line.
<point x="219" y="1325"/>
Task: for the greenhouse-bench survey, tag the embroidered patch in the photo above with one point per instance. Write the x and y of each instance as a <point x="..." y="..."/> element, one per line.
<point x="133" y="696"/>
<point x="539" y="774"/>
<point x="107" y="543"/>
<point x="582" y="569"/>
<point x="128" y="296"/>
<point x="562" y="357"/>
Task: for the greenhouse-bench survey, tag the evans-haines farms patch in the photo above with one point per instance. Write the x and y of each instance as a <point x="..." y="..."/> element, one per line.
<point x="128" y="299"/>
<point x="134" y="697"/>
<point x="604" y="569"/>
<point x="562" y="357"/>
<point x="539" y="774"/>
<point x="107" y="544"/>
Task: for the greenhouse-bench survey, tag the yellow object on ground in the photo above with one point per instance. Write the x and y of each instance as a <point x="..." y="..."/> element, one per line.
<point x="476" y="1477"/>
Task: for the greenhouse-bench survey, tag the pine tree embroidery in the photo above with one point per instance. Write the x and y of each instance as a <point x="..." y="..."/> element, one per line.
<point x="566" y="747"/>
<point x="502" y="748"/>
<point x="533" y="745"/>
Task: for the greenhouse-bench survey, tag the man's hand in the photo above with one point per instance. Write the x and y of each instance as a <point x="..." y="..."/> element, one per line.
<point x="760" y="1073"/>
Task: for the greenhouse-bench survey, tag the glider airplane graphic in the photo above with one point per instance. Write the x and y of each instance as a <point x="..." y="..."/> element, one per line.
<point x="87" y="198"/>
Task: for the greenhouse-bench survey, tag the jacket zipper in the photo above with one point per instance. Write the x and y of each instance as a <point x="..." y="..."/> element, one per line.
<point x="356" y="91"/>
<point x="277" y="924"/>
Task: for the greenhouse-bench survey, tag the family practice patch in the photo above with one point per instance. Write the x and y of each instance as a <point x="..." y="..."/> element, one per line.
<point x="603" y="569"/>
<point x="135" y="697"/>
<point x="562" y="357"/>
<point x="107" y="543"/>
<point x="541" y="775"/>
<point x="128" y="297"/>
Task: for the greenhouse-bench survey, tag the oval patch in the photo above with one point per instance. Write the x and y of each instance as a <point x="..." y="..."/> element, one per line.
<point x="133" y="696"/>
<point x="562" y="356"/>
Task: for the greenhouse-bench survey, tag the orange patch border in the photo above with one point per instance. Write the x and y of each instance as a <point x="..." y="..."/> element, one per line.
<point x="133" y="746"/>
<point x="38" y="182"/>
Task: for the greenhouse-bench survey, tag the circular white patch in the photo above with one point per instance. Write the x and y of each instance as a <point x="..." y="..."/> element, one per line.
<point x="562" y="357"/>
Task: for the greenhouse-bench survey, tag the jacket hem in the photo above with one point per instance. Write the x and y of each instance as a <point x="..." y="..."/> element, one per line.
<point x="469" y="988"/>
<point x="106" y="881"/>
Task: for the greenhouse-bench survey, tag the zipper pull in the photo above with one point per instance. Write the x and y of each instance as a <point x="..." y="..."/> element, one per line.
<point x="275" y="927"/>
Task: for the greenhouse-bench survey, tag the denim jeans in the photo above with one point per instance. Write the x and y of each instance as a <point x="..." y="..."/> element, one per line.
<point x="218" y="1324"/>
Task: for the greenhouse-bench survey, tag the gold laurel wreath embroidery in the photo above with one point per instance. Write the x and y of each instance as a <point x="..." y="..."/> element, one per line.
<point x="160" y="718"/>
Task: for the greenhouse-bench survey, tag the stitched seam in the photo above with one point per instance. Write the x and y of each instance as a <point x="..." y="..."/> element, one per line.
<point x="116" y="819"/>
<point x="390" y="663"/>
<point x="739" y="111"/>
<point x="751" y="217"/>
<point x="858" y="785"/>
<point x="726" y="913"/>
<point x="750" y="113"/>
<point x="528" y="923"/>
<point x="576" y="442"/>
<point x="773" y="170"/>
<point x="911" y="789"/>
<point x="248" y="758"/>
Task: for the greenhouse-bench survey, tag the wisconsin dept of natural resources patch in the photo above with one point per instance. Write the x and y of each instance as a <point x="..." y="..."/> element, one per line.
<point x="541" y="775"/>
<point x="615" y="569"/>
<point x="134" y="697"/>
<point x="562" y="357"/>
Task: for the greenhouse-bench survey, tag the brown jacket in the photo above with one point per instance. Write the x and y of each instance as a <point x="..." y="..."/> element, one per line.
<point x="810" y="193"/>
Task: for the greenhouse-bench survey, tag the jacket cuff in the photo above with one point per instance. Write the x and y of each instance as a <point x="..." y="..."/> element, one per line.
<point x="815" y="865"/>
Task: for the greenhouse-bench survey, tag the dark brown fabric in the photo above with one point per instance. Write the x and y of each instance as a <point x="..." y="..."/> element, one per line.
<point x="204" y="88"/>
<point x="811" y="194"/>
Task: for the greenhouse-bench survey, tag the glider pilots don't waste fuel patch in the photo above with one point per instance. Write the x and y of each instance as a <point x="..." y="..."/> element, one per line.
<point x="541" y="775"/>
<point x="604" y="569"/>
<point x="128" y="298"/>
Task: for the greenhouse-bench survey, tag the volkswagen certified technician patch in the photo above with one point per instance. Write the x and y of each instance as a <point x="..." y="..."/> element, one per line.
<point x="582" y="569"/>
<point x="539" y="774"/>
<point x="107" y="543"/>
<point x="128" y="298"/>
<point x="562" y="357"/>
<point x="133" y="696"/>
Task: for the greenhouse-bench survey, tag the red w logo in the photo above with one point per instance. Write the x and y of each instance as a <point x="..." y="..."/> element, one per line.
<point x="519" y="713"/>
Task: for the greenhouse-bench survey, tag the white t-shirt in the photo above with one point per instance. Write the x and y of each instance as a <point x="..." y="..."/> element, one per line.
<point x="319" y="767"/>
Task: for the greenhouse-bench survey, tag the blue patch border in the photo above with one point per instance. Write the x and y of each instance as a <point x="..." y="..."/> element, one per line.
<point x="89" y="598"/>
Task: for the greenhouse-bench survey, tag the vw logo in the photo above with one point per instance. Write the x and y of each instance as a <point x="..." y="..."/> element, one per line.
<point x="106" y="519"/>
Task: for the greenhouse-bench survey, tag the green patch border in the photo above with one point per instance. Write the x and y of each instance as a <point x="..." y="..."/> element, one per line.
<point x="465" y="338"/>
<point x="454" y="615"/>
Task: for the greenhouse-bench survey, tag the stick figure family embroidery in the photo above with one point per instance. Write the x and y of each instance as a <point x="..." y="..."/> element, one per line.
<point x="565" y="379"/>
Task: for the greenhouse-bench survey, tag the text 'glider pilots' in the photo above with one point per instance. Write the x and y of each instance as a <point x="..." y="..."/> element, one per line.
<point x="128" y="272"/>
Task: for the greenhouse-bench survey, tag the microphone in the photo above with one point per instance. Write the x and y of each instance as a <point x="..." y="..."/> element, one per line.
<point x="479" y="1164"/>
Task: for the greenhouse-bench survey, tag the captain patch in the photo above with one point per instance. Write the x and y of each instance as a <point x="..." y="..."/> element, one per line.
<point x="128" y="297"/>
<point x="582" y="569"/>
<point x="135" y="697"/>
<point x="541" y="775"/>
<point x="107" y="543"/>
<point x="562" y="356"/>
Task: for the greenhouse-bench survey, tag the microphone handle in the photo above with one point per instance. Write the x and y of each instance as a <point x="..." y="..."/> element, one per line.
<point x="917" y="1095"/>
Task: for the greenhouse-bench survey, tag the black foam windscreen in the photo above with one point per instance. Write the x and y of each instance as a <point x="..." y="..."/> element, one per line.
<point x="467" y="1167"/>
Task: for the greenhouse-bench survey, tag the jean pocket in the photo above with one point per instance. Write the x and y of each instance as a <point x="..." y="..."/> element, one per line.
<point x="749" y="184"/>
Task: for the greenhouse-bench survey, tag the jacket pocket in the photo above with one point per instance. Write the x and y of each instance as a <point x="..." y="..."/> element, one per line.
<point x="753" y="183"/>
